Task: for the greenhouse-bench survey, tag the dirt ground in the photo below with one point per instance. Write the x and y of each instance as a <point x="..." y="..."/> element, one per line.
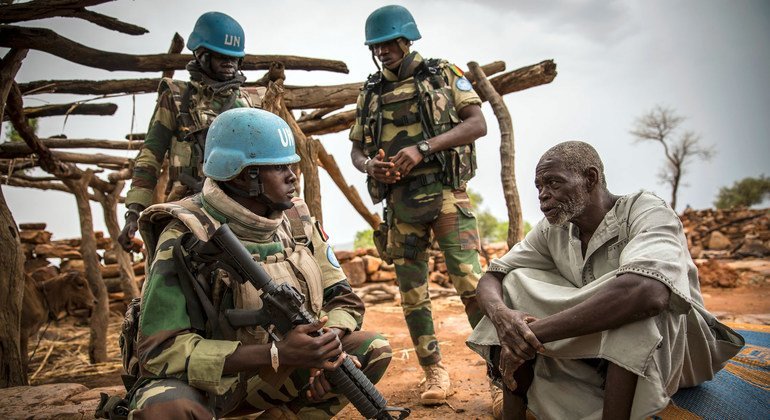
<point x="61" y="357"/>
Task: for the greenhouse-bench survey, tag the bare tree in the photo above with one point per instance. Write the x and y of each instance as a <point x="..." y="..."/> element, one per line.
<point x="661" y="125"/>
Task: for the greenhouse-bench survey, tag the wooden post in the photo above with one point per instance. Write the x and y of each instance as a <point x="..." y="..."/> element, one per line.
<point x="77" y="181"/>
<point x="308" y="165"/>
<point x="11" y="258"/>
<point x="12" y="284"/>
<point x="507" y="153"/>
<point x="97" y="347"/>
<point x="109" y="201"/>
<point x="330" y="165"/>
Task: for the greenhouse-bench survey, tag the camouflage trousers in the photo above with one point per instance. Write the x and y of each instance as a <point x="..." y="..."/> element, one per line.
<point x="418" y="216"/>
<point x="174" y="398"/>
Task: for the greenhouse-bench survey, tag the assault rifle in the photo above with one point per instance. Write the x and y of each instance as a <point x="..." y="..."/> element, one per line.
<point x="281" y="311"/>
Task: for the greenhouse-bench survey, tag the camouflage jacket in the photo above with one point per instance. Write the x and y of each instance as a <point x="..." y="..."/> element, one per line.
<point x="180" y="138"/>
<point x="168" y="344"/>
<point x="394" y="111"/>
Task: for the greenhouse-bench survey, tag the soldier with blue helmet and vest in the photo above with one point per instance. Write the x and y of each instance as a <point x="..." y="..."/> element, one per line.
<point x="184" y="369"/>
<point x="184" y="112"/>
<point x="416" y="123"/>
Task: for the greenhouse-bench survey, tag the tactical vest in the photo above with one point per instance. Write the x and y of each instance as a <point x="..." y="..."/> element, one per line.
<point x="293" y="264"/>
<point x="194" y="114"/>
<point x="426" y="98"/>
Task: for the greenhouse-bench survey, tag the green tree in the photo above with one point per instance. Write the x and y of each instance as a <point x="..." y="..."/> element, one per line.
<point x="490" y="228"/>
<point x="744" y="193"/>
<point x="363" y="239"/>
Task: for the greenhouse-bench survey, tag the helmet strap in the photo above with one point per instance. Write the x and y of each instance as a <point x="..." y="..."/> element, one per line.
<point x="255" y="191"/>
<point x="376" y="64"/>
<point x="404" y="44"/>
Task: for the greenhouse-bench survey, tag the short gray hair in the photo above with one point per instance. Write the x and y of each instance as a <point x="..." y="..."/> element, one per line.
<point x="577" y="156"/>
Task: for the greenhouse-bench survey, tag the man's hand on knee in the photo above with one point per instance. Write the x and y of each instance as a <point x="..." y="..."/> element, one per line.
<point x="513" y="330"/>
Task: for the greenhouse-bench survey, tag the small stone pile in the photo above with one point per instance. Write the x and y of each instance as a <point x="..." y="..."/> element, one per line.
<point x="727" y="234"/>
<point x="39" y="250"/>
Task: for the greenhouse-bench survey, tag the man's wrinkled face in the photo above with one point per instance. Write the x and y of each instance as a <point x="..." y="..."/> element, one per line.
<point x="223" y="67"/>
<point x="562" y="193"/>
<point x="389" y="53"/>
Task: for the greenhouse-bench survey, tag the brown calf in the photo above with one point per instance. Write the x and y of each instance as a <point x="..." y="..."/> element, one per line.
<point x="42" y="301"/>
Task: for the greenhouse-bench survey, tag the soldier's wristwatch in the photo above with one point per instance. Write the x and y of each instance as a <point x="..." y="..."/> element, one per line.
<point x="424" y="148"/>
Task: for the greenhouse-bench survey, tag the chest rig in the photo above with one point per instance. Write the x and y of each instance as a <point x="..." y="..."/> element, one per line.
<point x="398" y="114"/>
<point x="195" y="108"/>
<point x="287" y="259"/>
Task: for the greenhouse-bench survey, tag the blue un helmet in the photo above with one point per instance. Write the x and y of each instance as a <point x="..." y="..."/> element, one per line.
<point x="243" y="137"/>
<point x="218" y="32"/>
<point x="388" y="23"/>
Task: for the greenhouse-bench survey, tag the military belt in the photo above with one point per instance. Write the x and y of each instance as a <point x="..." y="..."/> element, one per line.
<point x="417" y="181"/>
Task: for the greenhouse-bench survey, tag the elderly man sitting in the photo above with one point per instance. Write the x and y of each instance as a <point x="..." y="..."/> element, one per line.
<point x="598" y="311"/>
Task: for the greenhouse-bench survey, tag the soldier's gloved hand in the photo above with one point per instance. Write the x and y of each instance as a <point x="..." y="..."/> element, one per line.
<point x="130" y="228"/>
<point x="299" y="349"/>
<point x="382" y="170"/>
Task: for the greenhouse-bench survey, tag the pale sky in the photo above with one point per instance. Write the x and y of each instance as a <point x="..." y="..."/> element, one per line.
<point x="707" y="59"/>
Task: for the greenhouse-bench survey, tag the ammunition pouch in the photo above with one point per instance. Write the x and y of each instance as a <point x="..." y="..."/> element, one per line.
<point x="380" y="238"/>
<point x="128" y="342"/>
<point x="377" y="190"/>
<point x="458" y="165"/>
<point x="410" y="246"/>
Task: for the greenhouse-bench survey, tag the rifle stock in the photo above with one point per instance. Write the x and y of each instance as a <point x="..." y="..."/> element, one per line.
<point x="283" y="310"/>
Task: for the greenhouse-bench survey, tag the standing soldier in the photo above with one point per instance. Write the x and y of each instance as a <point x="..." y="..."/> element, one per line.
<point x="184" y="112"/>
<point x="416" y="123"/>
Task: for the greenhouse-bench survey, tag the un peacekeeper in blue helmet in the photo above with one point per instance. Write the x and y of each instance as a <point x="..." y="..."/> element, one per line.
<point x="183" y="112"/>
<point x="251" y="141"/>
<point x="418" y="156"/>
<point x="218" y="42"/>
<point x="188" y="371"/>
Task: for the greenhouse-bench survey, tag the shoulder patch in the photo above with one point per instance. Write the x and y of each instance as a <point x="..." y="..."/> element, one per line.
<point x="331" y="257"/>
<point x="321" y="231"/>
<point x="463" y="84"/>
<point x="456" y="70"/>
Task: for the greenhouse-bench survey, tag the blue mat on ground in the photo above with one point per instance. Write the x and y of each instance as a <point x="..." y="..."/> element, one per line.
<point x="739" y="391"/>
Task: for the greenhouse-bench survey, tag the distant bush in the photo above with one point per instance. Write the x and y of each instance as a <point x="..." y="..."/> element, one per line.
<point x="363" y="239"/>
<point x="744" y="193"/>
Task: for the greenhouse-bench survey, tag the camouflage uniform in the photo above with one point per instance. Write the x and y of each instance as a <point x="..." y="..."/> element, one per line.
<point x="182" y="367"/>
<point x="401" y="111"/>
<point x="169" y="135"/>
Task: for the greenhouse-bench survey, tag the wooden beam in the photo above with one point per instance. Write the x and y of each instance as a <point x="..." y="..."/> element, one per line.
<point x="42" y="9"/>
<point x="15" y="181"/>
<point x="22" y="149"/>
<point x="91" y="87"/>
<point x="524" y="78"/>
<point x="332" y="124"/>
<point x="330" y="165"/>
<point x="91" y="158"/>
<point x="47" y="161"/>
<point x="49" y="41"/>
<point x="69" y="109"/>
<point x="176" y="47"/>
<point x="513" y="81"/>
<point x="295" y="97"/>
